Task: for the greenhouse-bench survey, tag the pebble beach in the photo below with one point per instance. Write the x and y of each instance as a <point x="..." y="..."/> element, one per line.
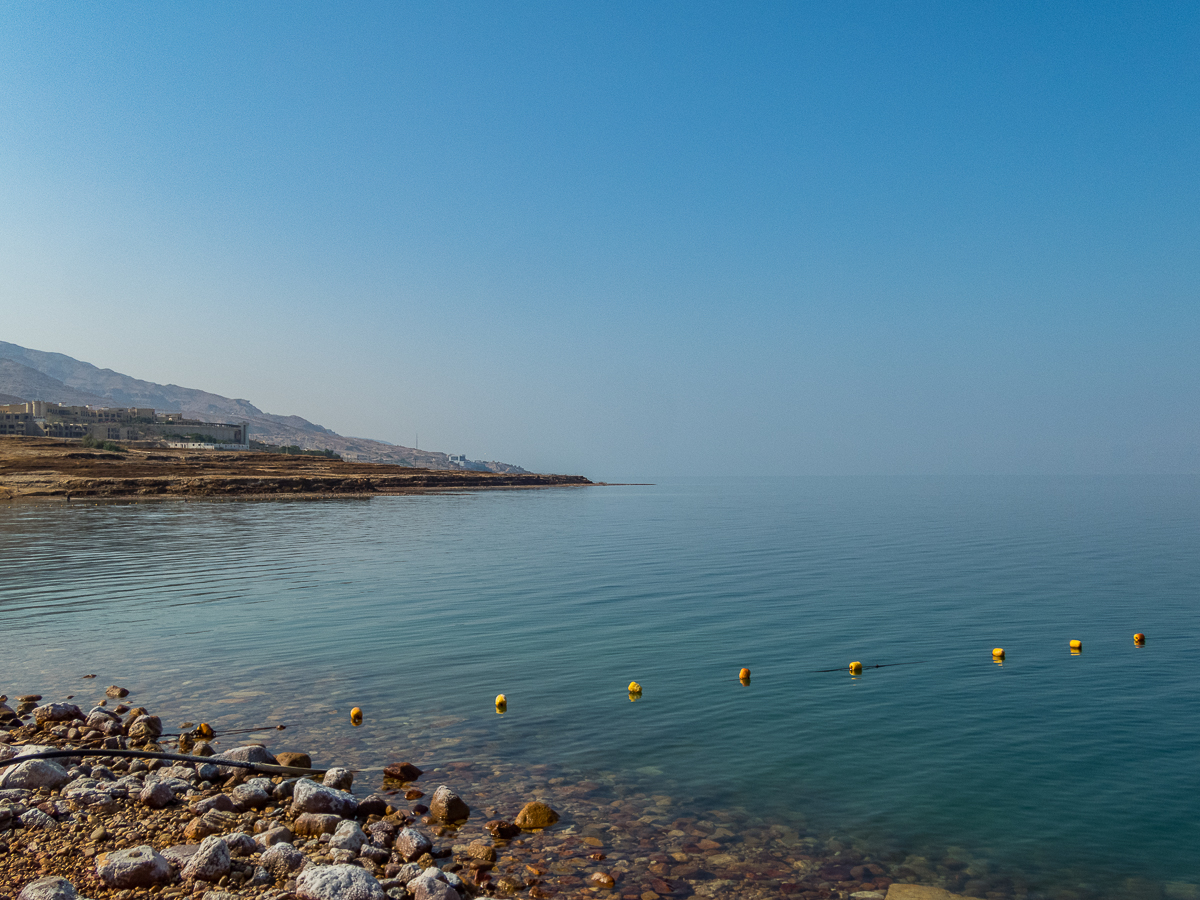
<point x="96" y="827"/>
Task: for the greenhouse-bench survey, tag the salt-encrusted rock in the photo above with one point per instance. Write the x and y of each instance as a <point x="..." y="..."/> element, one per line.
<point x="299" y="760"/>
<point x="316" y="798"/>
<point x="282" y="859"/>
<point x="116" y="692"/>
<point x="203" y="748"/>
<point x="382" y="833"/>
<point x="103" y="720"/>
<point x="156" y="795"/>
<point x="285" y="789"/>
<point x="411" y="844"/>
<point x="145" y="729"/>
<point x="260" y="878"/>
<point x="426" y="887"/>
<point x="254" y="794"/>
<point x="341" y="882"/>
<point x="448" y="877"/>
<point x="10" y="811"/>
<point x="339" y="778"/>
<point x="314" y="824"/>
<point x="252" y="753"/>
<point x="601" y="880"/>
<point x="34" y="774"/>
<point x="241" y="844"/>
<point x="180" y="772"/>
<point x="208" y="772"/>
<point x="179" y="855"/>
<point x="210" y="861"/>
<point x="49" y="888"/>
<point x="405" y="873"/>
<point x="280" y="834"/>
<point x="177" y="785"/>
<point x="348" y="837"/>
<point x="57" y="712"/>
<point x="135" y="867"/>
<point x="377" y="855"/>
<point x="402" y="772"/>
<point x="535" y="815"/>
<point x="446" y="806"/>
<point x="212" y="822"/>
<point x="219" y="895"/>
<point x="220" y="802"/>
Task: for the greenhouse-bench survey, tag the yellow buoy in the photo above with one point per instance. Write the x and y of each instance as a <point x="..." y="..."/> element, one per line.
<point x="501" y="703"/>
<point x="855" y="668"/>
<point x="744" y="676"/>
<point x="1076" y="645"/>
<point x="998" y="653"/>
<point x="634" y="687"/>
<point x="1139" y="638"/>
<point x="356" y="716"/>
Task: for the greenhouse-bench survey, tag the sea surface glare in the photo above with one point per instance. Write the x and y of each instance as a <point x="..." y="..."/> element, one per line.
<point x="1070" y="770"/>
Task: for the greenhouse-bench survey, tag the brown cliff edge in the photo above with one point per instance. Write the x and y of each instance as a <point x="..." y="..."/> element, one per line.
<point x="45" y="467"/>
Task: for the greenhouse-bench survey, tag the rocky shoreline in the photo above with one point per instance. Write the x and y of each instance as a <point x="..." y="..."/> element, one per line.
<point x="45" y="468"/>
<point x="101" y="827"/>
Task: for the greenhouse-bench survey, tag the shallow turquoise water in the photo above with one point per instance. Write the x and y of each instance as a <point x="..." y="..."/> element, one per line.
<point x="1070" y="769"/>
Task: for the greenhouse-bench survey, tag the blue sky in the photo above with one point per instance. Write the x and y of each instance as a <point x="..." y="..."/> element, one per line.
<point x="628" y="238"/>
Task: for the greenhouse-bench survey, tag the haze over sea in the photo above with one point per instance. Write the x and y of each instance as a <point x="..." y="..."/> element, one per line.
<point x="1070" y="770"/>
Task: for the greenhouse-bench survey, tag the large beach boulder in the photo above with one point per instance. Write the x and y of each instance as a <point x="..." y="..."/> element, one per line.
<point x="210" y="862"/>
<point x="34" y="774"/>
<point x="309" y="796"/>
<point x="133" y="868"/>
<point x="251" y="753"/>
<point x="344" y="882"/>
<point x="49" y="888"/>
<point x="50" y="713"/>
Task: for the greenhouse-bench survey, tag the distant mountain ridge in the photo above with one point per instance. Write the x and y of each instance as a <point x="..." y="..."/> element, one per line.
<point x="57" y="378"/>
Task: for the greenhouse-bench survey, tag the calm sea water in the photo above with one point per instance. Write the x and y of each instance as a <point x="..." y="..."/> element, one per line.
<point x="421" y="609"/>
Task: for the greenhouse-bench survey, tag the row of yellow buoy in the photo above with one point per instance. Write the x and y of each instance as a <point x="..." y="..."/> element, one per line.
<point x="635" y="689"/>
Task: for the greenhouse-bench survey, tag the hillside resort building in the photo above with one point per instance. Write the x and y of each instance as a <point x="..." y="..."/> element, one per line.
<point x="41" y="419"/>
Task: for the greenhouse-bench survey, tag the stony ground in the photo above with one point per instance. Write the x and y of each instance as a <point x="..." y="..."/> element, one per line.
<point x="44" y="467"/>
<point x="165" y="829"/>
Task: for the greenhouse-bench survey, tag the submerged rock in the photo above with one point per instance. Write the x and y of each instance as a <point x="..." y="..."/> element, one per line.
<point x="535" y="815"/>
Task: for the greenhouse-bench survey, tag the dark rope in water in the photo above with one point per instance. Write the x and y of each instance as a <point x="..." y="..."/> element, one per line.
<point x="880" y="666"/>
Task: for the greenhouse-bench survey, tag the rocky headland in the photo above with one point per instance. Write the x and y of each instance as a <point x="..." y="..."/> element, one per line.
<point x="33" y="468"/>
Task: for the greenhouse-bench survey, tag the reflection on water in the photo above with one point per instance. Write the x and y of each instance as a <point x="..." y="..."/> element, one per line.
<point x="1074" y="767"/>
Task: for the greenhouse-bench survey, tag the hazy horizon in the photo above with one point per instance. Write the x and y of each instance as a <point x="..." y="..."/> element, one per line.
<point x="820" y="238"/>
